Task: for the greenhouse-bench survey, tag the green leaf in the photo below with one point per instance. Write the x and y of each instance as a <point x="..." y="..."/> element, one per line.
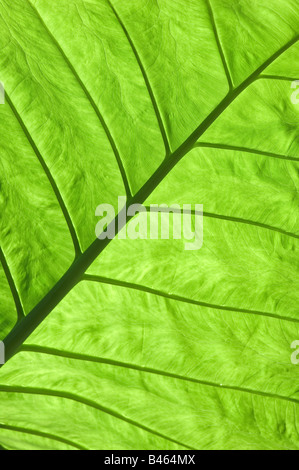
<point x="141" y="344"/>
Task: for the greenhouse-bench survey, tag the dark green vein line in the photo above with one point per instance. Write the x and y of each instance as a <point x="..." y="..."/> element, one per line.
<point x="250" y="222"/>
<point x="232" y="95"/>
<point x="80" y="357"/>
<point x="74" y="274"/>
<point x="45" y="435"/>
<point x="49" y="176"/>
<point x="89" y="403"/>
<point x="220" y="49"/>
<point x="239" y="220"/>
<point x="244" y="149"/>
<point x="178" y="298"/>
<point x="146" y="79"/>
<point x="12" y="286"/>
<point x="277" y="77"/>
<point x="91" y="100"/>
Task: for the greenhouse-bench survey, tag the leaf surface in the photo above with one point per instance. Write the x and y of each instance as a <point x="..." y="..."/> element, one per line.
<point x="140" y="344"/>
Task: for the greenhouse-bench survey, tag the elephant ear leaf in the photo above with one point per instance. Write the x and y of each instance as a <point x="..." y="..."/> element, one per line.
<point x="142" y="344"/>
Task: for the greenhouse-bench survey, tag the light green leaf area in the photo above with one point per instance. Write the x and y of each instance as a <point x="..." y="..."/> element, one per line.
<point x="142" y="344"/>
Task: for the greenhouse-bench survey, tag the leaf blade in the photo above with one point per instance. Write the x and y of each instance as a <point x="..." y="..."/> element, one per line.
<point x="195" y="366"/>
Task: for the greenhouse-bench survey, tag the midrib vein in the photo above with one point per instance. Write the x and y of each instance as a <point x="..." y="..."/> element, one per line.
<point x="146" y="79"/>
<point x="12" y="286"/>
<point x="74" y="274"/>
<point x="52" y="182"/>
<point x="89" y="403"/>
<point x="42" y="434"/>
<point x="91" y="101"/>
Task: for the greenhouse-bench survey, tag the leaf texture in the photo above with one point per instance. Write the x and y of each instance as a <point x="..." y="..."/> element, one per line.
<point x="140" y="344"/>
